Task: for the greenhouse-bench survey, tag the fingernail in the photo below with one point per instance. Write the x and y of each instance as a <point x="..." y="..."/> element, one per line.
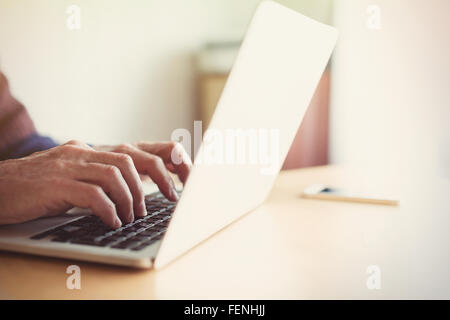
<point x="142" y="209"/>
<point x="131" y="216"/>
<point x="175" y="194"/>
<point x="117" y="223"/>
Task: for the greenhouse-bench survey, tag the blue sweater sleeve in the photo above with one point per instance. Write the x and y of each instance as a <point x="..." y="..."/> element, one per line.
<point x="33" y="143"/>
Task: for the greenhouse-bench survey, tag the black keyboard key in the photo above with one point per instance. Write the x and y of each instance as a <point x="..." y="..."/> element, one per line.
<point x="42" y="235"/>
<point x="164" y="223"/>
<point x="60" y="239"/>
<point x="132" y="228"/>
<point x="143" y="245"/>
<point x="105" y="242"/>
<point x="148" y="233"/>
<point x="117" y="238"/>
<point x="70" y="228"/>
<point x="84" y="241"/>
<point x="122" y="233"/>
<point x="140" y="224"/>
<point x="89" y="230"/>
<point x="138" y="238"/>
<point x="126" y="244"/>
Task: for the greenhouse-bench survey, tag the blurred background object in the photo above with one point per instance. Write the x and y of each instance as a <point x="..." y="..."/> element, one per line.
<point x="214" y="62"/>
<point x="310" y="146"/>
<point x="390" y="100"/>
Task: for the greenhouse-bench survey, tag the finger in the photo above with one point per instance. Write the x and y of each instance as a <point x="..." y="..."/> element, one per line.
<point x="128" y="170"/>
<point x="78" y="144"/>
<point x="173" y="154"/>
<point x="110" y="179"/>
<point x="154" y="167"/>
<point x="88" y="196"/>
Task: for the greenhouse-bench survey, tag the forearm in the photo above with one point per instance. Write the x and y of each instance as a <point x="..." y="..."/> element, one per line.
<point x="27" y="146"/>
<point x="18" y="136"/>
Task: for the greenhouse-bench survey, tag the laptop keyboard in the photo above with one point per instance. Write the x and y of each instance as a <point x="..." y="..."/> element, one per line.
<point x="136" y="235"/>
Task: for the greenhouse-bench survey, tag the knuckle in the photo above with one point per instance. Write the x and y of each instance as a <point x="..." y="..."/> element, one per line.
<point x="95" y="193"/>
<point x="124" y="159"/>
<point x="58" y="164"/>
<point x="178" y="153"/>
<point x="62" y="149"/>
<point x="178" y="148"/>
<point x="173" y="144"/>
<point x="124" y="147"/>
<point x="156" y="161"/>
<point x="141" y="144"/>
<point x="75" y="143"/>
<point x="67" y="148"/>
<point x="112" y="171"/>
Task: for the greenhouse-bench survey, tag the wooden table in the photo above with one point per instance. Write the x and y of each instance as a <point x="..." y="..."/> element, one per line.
<point x="290" y="248"/>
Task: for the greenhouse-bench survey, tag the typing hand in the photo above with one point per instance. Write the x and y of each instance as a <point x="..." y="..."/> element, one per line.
<point x="105" y="180"/>
<point x="155" y="160"/>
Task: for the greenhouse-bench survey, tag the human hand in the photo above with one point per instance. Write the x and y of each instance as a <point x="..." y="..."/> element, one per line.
<point x="155" y="159"/>
<point x="106" y="181"/>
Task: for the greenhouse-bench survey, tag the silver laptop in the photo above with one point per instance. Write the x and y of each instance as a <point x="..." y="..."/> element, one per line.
<point x="267" y="93"/>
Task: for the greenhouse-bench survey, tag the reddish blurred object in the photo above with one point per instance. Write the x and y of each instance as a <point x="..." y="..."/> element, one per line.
<point x="310" y="145"/>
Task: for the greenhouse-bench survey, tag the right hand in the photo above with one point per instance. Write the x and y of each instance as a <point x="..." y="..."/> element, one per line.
<point x="72" y="175"/>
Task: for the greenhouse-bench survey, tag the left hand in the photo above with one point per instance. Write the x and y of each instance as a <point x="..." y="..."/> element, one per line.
<point x="155" y="160"/>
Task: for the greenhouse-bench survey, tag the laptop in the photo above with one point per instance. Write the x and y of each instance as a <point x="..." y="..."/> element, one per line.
<point x="268" y="90"/>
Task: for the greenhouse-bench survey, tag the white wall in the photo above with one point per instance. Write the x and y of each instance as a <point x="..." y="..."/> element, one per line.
<point x="128" y="73"/>
<point x="390" y="88"/>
